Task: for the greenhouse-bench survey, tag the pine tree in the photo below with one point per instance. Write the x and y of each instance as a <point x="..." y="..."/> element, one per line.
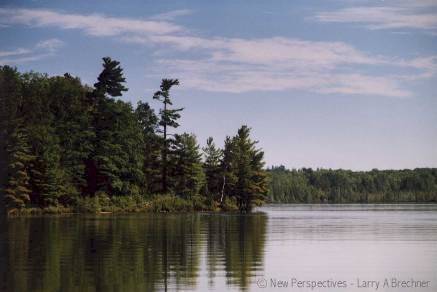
<point x="212" y="168"/>
<point x="152" y="146"/>
<point x="187" y="172"/>
<point x="245" y="168"/>
<point x="17" y="191"/>
<point x="48" y="180"/>
<point x="228" y="169"/>
<point x="110" y="80"/>
<point x="168" y="118"/>
<point x="107" y="158"/>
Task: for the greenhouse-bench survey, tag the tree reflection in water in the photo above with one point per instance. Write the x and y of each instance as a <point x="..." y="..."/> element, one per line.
<point x="135" y="252"/>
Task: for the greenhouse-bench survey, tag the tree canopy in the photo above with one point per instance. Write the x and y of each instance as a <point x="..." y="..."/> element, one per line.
<point x="62" y="140"/>
<point x="345" y="186"/>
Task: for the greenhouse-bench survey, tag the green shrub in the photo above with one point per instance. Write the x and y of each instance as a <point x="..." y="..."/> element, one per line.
<point x="229" y="204"/>
<point x="170" y="203"/>
<point x="87" y="205"/>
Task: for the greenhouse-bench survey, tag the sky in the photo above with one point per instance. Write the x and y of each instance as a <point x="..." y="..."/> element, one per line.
<point x="323" y="84"/>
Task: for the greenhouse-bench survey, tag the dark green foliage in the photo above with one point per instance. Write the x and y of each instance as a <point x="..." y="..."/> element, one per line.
<point x="17" y="191"/>
<point x="345" y="186"/>
<point x="228" y="167"/>
<point x="186" y="165"/>
<point x="73" y="127"/>
<point x="48" y="177"/>
<point x="67" y="146"/>
<point x="243" y="164"/>
<point x="212" y="168"/>
<point x="64" y="144"/>
<point x="168" y="118"/>
<point x="118" y="152"/>
<point x="110" y="80"/>
<point x="152" y="147"/>
<point x="115" y="165"/>
<point x="10" y="100"/>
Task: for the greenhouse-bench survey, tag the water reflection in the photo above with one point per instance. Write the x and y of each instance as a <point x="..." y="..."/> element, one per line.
<point x="144" y="252"/>
<point x="220" y="252"/>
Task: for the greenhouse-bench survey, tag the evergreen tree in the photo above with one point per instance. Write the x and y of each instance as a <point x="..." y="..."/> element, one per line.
<point x="10" y="100"/>
<point x="110" y="80"/>
<point x="17" y="191"/>
<point x="105" y="162"/>
<point x="187" y="172"/>
<point x="60" y="140"/>
<point x="168" y="118"/>
<point x="48" y="176"/>
<point x="247" y="164"/>
<point x="152" y="147"/>
<point x="228" y="169"/>
<point x="212" y="168"/>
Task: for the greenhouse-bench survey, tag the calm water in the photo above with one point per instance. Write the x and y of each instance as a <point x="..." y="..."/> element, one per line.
<point x="223" y="252"/>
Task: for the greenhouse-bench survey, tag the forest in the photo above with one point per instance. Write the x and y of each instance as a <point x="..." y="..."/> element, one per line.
<point x="345" y="186"/>
<point x="66" y="146"/>
<point x="69" y="147"/>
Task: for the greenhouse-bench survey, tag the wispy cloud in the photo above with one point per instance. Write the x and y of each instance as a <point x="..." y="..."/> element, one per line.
<point x="16" y="52"/>
<point x="271" y="64"/>
<point x="418" y="15"/>
<point x="43" y="49"/>
<point x="92" y="24"/>
<point x="172" y="15"/>
<point x="242" y="65"/>
<point x="51" y="45"/>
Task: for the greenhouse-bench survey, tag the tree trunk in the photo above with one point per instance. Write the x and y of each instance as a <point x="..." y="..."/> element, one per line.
<point x="164" y="157"/>
<point x="223" y="189"/>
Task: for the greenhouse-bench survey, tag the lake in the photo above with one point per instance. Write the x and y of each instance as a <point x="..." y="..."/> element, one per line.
<point x="278" y="245"/>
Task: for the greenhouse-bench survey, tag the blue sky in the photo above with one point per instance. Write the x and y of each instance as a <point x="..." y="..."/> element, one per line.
<point x="331" y="83"/>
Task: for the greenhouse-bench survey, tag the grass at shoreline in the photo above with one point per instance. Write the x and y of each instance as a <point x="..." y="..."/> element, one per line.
<point x="103" y="204"/>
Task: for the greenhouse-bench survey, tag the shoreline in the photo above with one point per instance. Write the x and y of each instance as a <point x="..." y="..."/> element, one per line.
<point x="105" y="205"/>
<point x="150" y="207"/>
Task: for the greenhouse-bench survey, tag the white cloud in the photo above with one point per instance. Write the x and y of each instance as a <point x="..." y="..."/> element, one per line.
<point x="171" y="15"/>
<point x="43" y="49"/>
<point x="16" y="52"/>
<point x="51" y="45"/>
<point x="210" y="75"/>
<point x="93" y="24"/>
<point x="242" y="65"/>
<point x="418" y="15"/>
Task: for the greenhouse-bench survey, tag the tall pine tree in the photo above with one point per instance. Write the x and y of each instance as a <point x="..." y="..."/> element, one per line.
<point x="168" y="119"/>
<point x="102" y="167"/>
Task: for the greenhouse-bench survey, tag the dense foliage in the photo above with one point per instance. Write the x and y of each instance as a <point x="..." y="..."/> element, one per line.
<point x="344" y="186"/>
<point x="63" y="143"/>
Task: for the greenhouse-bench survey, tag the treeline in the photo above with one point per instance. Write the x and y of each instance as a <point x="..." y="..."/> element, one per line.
<point x="63" y="141"/>
<point x="345" y="186"/>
